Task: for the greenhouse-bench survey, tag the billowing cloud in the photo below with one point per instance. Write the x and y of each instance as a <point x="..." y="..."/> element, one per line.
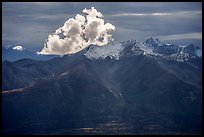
<point x="78" y="33"/>
<point x="19" y="48"/>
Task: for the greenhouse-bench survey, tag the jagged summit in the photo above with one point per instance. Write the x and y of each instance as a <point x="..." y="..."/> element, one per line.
<point x="152" y="42"/>
<point x="151" y="47"/>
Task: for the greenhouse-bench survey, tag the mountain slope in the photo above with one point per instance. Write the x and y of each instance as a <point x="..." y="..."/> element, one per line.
<point x="151" y="94"/>
<point x="76" y="94"/>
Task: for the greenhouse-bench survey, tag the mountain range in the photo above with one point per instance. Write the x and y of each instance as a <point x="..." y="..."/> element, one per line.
<point x="142" y="88"/>
<point x="9" y="53"/>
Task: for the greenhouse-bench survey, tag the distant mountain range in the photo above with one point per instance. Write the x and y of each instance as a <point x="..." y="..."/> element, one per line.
<point x="10" y="54"/>
<point x="154" y="87"/>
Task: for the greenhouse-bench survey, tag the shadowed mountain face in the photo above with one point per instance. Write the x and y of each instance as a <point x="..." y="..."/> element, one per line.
<point x="135" y="94"/>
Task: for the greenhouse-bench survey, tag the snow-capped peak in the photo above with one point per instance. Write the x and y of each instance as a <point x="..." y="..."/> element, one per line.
<point x="112" y="50"/>
<point x="151" y="48"/>
<point x="152" y="42"/>
<point x="18" y="48"/>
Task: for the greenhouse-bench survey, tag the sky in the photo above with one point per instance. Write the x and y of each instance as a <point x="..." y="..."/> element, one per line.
<point x="29" y="24"/>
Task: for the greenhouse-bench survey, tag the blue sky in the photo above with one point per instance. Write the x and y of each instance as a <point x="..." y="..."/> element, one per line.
<point x="29" y="24"/>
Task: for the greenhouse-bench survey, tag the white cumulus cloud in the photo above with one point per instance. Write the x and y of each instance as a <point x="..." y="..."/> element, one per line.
<point x="78" y="33"/>
<point x="19" y="48"/>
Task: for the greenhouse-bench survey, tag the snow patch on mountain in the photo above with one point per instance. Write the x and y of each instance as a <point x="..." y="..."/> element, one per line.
<point x="111" y="50"/>
<point x="146" y="50"/>
<point x="198" y="52"/>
